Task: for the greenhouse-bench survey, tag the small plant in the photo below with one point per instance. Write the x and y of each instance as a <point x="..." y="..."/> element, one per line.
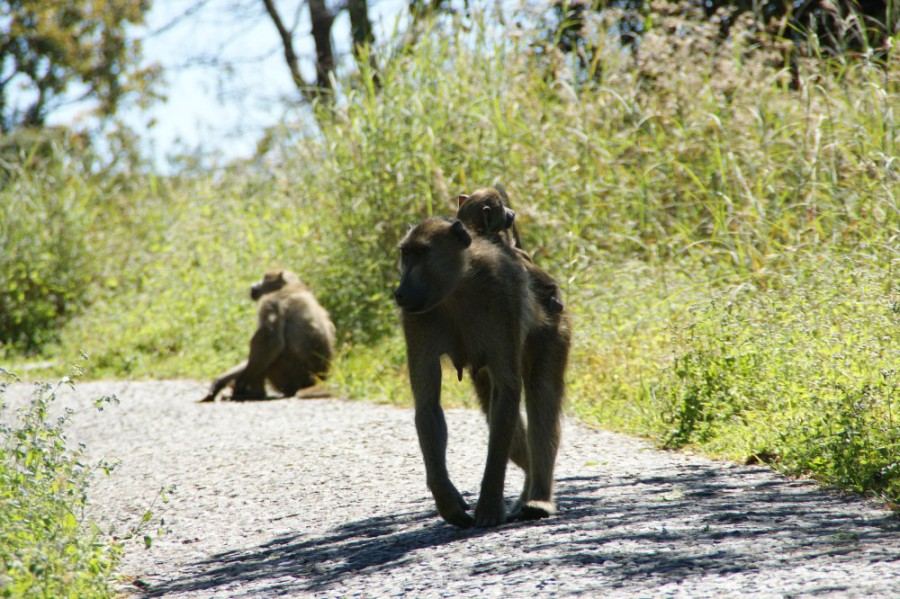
<point x="854" y="440"/>
<point x="48" y="547"/>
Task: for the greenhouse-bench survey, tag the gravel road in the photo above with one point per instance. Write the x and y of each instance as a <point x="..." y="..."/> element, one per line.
<point x="327" y="498"/>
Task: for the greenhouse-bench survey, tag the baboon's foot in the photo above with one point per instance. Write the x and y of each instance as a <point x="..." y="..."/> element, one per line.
<point x="452" y="507"/>
<point x="535" y="510"/>
<point x="490" y="513"/>
<point x="208" y="398"/>
<point x="515" y="512"/>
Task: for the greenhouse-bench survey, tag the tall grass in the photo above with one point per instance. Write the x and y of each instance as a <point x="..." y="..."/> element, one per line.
<point x="725" y="233"/>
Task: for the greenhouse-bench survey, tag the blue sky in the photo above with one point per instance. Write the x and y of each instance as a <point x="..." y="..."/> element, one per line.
<point x="226" y="110"/>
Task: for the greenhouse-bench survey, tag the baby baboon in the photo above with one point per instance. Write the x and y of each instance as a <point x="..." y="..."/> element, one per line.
<point x="487" y="213"/>
<point x="506" y="344"/>
<point x="293" y="344"/>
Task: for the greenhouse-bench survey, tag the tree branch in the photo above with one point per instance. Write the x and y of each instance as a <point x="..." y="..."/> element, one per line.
<point x="287" y="42"/>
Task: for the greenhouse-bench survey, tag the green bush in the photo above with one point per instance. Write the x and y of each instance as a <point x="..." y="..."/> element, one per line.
<point x="45" y="263"/>
<point x="803" y="377"/>
<point x="48" y="547"/>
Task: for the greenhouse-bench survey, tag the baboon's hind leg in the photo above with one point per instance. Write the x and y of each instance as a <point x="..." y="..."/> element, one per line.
<point x="544" y="381"/>
<point x="289" y="374"/>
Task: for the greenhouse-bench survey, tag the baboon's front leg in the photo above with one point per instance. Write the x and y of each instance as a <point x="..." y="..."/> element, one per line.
<point x="519" y="455"/>
<point x="518" y="451"/>
<point x="425" y="379"/>
<point x="503" y="420"/>
<point x="265" y="347"/>
<point x="223" y="380"/>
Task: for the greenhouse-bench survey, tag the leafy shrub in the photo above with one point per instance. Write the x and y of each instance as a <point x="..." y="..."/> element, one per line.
<point x="803" y="377"/>
<point x="45" y="262"/>
<point x="48" y="548"/>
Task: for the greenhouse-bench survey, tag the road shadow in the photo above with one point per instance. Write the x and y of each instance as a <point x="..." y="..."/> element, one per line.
<point x="313" y="563"/>
<point x="700" y="521"/>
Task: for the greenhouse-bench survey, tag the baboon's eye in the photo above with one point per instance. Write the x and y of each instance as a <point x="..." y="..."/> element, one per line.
<point x="412" y="252"/>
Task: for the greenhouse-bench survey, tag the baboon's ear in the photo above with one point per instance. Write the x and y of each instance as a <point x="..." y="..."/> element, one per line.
<point x="459" y="230"/>
<point x="462" y="199"/>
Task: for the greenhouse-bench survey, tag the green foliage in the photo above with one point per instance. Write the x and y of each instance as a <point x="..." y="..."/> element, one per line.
<point x="71" y="226"/>
<point x="48" y="548"/>
<point x="45" y="264"/>
<point x="726" y="243"/>
<point x="803" y="377"/>
<point x="48" y="46"/>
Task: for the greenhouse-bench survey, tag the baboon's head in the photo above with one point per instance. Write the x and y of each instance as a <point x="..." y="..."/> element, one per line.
<point x="273" y="280"/>
<point x="433" y="258"/>
<point x="485" y="211"/>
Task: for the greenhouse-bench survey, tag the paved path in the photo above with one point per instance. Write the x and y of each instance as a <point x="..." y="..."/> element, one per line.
<point x="327" y="498"/>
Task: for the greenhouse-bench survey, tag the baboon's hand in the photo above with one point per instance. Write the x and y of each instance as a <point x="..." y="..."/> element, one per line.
<point x="209" y="397"/>
<point x="452" y="507"/>
<point x="489" y="512"/>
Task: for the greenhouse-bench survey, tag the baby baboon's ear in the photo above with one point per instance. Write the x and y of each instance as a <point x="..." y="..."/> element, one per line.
<point x="462" y="199"/>
<point x="459" y="230"/>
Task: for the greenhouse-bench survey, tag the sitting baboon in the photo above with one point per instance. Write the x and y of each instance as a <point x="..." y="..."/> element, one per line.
<point x="506" y="344"/>
<point x="487" y="213"/>
<point x="292" y="346"/>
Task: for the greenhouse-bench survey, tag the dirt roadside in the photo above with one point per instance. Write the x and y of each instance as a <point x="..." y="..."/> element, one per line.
<point x="327" y="498"/>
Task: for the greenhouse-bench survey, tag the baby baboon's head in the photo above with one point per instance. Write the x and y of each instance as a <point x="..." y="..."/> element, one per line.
<point x="485" y="212"/>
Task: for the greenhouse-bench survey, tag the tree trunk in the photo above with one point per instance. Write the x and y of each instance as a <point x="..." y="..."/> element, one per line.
<point x="322" y="19"/>
<point x="360" y="25"/>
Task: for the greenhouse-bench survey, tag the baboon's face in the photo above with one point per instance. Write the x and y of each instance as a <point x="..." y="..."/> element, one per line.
<point x="273" y="280"/>
<point x="501" y="218"/>
<point x="432" y="259"/>
<point x="484" y="211"/>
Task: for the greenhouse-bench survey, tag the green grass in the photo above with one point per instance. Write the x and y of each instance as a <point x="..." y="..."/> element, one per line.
<point x="727" y="243"/>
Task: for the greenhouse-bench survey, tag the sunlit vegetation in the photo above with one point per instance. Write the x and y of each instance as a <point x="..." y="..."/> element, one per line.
<point x="726" y="231"/>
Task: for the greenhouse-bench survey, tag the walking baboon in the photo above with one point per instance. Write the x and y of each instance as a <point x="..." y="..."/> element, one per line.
<point x="506" y="344"/>
<point x="292" y="346"/>
<point x="488" y="214"/>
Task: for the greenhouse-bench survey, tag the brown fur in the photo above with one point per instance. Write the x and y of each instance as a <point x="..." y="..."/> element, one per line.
<point x="487" y="213"/>
<point x="292" y="346"/>
<point x="470" y="299"/>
